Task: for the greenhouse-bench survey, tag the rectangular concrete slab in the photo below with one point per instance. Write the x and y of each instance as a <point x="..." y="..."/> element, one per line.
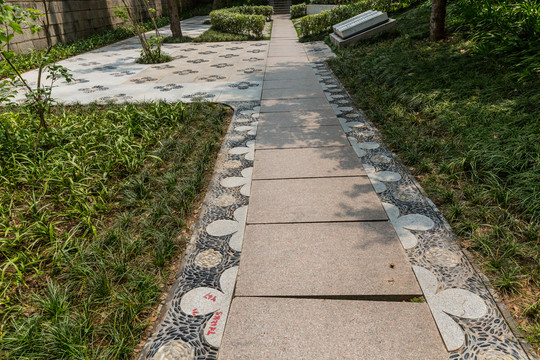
<point x="288" y="73"/>
<point x="322" y="117"/>
<point x="306" y="162"/>
<point x="347" y="260"/>
<point x="269" y="94"/>
<point x="300" y="84"/>
<point x="287" y="61"/>
<point x="298" y="137"/>
<point x="278" y="50"/>
<point x="315" y="329"/>
<point x="306" y="104"/>
<point x="314" y="200"/>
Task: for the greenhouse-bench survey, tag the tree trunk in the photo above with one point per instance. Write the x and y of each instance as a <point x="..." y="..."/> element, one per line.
<point x="175" y="19"/>
<point x="216" y="5"/>
<point x="437" y="21"/>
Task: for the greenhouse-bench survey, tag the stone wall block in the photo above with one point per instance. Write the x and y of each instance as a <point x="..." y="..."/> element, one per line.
<point x="76" y="19"/>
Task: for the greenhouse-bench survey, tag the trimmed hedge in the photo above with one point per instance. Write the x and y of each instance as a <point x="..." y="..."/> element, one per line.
<point x="320" y="23"/>
<point x="298" y="11"/>
<point x="330" y="2"/>
<point x="243" y="20"/>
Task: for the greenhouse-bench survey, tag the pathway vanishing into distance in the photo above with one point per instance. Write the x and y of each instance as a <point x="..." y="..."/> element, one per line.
<point x="313" y="241"/>
<point x="316" y="243"/>
<point x="322" y="274"/>
<point x="329" y="269"/>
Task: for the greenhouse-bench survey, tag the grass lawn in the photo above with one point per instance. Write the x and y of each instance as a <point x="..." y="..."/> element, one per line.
<point x="468" y="127"/>
<point x="90" y="222"/>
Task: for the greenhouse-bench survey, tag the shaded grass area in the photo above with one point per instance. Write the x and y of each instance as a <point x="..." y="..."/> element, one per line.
<point x="469" y="130"/>
<point x="89" y="223"/>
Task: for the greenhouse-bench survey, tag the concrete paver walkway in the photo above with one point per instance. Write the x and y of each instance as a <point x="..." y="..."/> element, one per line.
<point x="317" y="235"/>
<point x="311" y="228"/>
<point x="314" y="239"/>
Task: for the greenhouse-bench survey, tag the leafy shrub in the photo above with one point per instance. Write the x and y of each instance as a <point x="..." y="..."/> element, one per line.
<point x="257" y="2"/>
<point x="331" y="2"/>
<point x="243" y="20"/>
<point x="505" y="28"/>
<point x="251" y="10"/>
<point x="319" y="23"/>
<point x="298" y="10"/>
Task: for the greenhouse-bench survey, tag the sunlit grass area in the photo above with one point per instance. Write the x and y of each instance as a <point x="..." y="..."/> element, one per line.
<point x="90" y="221"/>
<point x="468" y="126"/>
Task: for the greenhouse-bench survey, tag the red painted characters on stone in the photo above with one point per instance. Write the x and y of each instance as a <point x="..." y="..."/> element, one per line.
<point x="210" y="297"/>
<point x="214" y="323"/>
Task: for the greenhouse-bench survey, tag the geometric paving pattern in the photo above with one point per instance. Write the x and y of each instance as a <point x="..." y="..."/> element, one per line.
<point x="220" y="72"/>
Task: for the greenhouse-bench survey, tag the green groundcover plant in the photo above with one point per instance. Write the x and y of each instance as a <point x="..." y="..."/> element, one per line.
<point x="466" y="123"/>
<point x="90" y="221"/>
<point x="320" y="23"/>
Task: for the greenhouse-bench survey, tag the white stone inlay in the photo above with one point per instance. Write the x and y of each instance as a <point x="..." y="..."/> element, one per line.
<point x="175" y="350"/>
<point x="244" y="181"/>
<point x="227" y="227"/>
<point x="359" y="148"/>
<point x="205" y="300"/>
<point x="251" y="129"/>
<point x="377" y="178"/>
<point x="457" y="302"/>
<point x="249" y="150"/>
<point x="407" y="222"/>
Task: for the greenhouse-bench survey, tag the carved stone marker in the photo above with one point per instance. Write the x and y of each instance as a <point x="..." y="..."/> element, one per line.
<point x="359" y="23"/>
<point x="364" y="25"/>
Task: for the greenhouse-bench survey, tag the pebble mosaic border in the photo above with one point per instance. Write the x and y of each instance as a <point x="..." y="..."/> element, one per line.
<point x="467" y="315"/>
<point x="197" y="307"/>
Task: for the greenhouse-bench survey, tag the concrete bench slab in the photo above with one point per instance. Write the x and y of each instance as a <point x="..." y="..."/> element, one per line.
<point x="325" y="260"/>
<point x="386" y="27"/>
<point x="314" y="200"/>
<point x="359" y="23"/>
<point x="314" y="329"/>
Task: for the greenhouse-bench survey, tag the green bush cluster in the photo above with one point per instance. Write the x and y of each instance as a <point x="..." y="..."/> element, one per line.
<point x="331" y="2"/>
<point x="244" y="20"/>
<point x="319" y="23"/>
<point x="298" y="11"/>
<point x="508" y="29"/>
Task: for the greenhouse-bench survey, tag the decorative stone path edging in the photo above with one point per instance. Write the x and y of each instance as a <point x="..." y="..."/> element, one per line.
<point x="468" y="317"/>
<point x="197" y="307"/>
